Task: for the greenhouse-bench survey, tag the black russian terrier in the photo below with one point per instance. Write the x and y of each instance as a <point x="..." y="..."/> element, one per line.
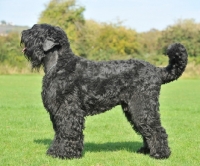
<point x="74" y="87"/>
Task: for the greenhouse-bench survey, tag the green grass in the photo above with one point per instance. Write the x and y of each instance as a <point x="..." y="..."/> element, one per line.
<point x="26" y="131"/>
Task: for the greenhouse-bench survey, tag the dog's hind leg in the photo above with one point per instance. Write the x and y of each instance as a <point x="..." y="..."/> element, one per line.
<point x="142" y="113"/>
<point x="68" y="124"/>
<point x="145" y="149"/>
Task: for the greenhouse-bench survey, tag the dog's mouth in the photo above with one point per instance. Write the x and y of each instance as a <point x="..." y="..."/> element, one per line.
<point x="23" y="46"/>
<point x="24" y="50"/>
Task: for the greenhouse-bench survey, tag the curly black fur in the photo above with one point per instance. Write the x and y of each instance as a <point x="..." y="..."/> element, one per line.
<point x="74" y="87"/>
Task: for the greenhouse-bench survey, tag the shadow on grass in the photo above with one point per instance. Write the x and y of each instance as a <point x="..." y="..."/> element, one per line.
<point x="46" y="142"/>
<point x="112" y="146"/>
<point x="97" y="147"/>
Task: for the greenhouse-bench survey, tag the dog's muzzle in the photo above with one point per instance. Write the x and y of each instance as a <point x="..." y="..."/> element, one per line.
<point x="22" y="41"/>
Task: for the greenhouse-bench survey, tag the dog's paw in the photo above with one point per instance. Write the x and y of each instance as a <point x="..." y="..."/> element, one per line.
<point x="161" y="155"/>
<point x="63" y="154"/>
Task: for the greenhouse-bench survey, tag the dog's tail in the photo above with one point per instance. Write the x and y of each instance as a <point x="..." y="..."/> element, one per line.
<point x="177" y="62"/>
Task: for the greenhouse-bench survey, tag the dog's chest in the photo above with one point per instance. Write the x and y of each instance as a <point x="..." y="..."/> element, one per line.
<point x="49" y="89"/>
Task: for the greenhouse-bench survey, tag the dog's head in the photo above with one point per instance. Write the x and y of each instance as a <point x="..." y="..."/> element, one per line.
<point x="39" y="40"/>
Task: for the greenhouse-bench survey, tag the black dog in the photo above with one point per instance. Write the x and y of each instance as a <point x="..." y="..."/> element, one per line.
<point x="74" y="87"/>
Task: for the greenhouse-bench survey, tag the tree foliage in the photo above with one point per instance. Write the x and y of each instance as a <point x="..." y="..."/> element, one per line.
<point x="10" y="52"/>
<point x="107" y="41"/>
<point x="186" y="32"/>
<point x="149" y="41"/>
<point x="118" y="39"/>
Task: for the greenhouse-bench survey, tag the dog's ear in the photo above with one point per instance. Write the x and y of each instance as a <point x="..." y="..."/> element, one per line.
<point x="49" y="43"/>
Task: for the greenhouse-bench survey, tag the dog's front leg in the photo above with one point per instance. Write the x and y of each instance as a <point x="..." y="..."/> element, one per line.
<point x="68" y="124"/>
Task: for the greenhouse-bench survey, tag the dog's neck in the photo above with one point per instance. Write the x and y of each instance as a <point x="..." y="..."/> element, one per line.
<point x="50" y="60"/>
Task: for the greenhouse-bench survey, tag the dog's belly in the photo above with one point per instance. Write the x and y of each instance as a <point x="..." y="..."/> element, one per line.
<point x="96" y="103"/>
<point x="98" y="96"/>
<point x="100" y="106"/>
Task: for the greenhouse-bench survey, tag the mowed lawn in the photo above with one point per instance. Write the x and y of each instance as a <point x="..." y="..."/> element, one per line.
<point x="26" y="131"/>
